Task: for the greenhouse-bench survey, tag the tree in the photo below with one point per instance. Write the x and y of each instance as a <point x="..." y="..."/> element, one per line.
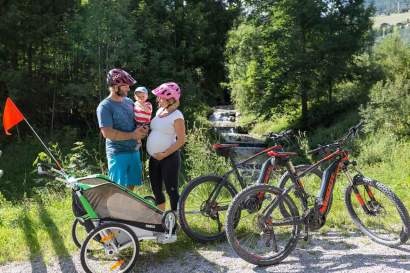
<point x="301" y="44"/>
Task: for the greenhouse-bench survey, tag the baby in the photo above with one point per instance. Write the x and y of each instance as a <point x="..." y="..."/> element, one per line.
<point x="142" y="108"/>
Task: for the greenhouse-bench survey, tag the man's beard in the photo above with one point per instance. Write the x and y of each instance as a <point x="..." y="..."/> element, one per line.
<point x="121" y="93"/>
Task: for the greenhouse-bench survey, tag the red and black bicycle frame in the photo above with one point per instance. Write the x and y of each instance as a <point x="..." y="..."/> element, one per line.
<point x="330" y="174"/>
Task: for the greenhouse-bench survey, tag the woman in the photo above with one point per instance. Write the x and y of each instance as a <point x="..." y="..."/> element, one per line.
<point x="166" y="138"/>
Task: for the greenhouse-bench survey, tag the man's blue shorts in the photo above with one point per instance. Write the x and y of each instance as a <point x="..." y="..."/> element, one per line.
<point x="125" y="168"/>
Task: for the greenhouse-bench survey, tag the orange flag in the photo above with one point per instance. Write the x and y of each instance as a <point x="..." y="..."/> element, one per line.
<point x="11" y="116"/>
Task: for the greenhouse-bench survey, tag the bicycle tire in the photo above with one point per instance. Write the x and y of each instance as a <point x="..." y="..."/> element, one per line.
<point x="90" y="238"/>
<point x="186" y="224"/>
<point x="231" y="222"/>
<point x="391" y="196"/>
<point x="74" y="234"/>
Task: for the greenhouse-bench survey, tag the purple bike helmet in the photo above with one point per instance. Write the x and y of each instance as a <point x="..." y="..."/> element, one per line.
<point x="168" y="90"/>
<point x="118" y="76"/>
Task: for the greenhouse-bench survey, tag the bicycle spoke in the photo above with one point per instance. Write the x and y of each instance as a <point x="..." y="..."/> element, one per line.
<point x="193" y="212"/>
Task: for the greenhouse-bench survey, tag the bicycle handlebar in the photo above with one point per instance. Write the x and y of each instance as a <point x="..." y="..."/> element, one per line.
<point x="352" y="133"/>
<point x="48" y="170"/>
<point x="280" y="135"/>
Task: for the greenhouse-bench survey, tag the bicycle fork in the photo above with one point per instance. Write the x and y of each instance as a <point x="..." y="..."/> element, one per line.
<point x="364" y="205"/>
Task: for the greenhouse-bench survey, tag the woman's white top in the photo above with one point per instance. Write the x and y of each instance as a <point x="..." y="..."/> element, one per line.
<point x="163" y="134"/>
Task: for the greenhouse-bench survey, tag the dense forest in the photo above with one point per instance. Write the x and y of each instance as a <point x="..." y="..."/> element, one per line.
<point x="304" y="62"/>
<point x="54" y="54"/>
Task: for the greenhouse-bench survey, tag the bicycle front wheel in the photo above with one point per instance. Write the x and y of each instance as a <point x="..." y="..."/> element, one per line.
<point x="377" y="211"/>
<point x="257" y="238"/>
<point x="201" y="219"/>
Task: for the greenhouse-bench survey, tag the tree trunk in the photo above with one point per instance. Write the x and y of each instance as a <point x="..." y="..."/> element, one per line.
<point x="304" y="97"/>
<point x="53" y="112"/>
<point x="178" y="30"/>
<point x="30" y="60"/>
<point x="330" y="89"/>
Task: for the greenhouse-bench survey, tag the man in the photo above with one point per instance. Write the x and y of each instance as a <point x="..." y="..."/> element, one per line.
<point x="116" y="121"/>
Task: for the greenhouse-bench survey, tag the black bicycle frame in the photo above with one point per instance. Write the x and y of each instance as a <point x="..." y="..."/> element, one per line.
<point x="215" y="192"/>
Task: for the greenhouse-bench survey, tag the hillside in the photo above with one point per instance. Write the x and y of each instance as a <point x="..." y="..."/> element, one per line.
<point x="391" y="19"/>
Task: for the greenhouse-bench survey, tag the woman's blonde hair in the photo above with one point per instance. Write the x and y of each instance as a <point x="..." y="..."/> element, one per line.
<point x="173" y="105"/>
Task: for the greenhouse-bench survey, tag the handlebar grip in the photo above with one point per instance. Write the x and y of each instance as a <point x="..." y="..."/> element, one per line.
<point x="41" y="171"/>
<point x="282" y="134"/>
<point x="360" y="124"/>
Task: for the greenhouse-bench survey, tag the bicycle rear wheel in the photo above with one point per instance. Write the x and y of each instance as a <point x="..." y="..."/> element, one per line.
<point x="200" y="219"/>
<point x="377" y="211"/>
<point x="258" y="241"/>
<point x="111" y="247"/>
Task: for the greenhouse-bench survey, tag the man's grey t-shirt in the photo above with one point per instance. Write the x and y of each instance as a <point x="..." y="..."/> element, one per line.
<point x="119" y="116"/>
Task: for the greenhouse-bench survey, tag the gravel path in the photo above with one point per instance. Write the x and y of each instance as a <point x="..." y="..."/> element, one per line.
<point x="323" y="253"/>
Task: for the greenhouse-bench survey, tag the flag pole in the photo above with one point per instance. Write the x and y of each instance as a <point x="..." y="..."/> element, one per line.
<point x="44" y="145"/>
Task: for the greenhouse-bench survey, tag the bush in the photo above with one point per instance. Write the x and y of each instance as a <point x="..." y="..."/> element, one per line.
<point x="198" y="157"/>
<point x="389" y="107"/>
<point x="374" y="150"/>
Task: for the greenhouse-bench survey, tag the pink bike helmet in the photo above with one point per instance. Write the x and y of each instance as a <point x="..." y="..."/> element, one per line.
<point x="118" y="76"/>
<point x="168" y="90"/>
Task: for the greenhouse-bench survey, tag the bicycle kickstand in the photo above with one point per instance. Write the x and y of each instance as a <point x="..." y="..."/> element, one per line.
<point x="306" y="231"/>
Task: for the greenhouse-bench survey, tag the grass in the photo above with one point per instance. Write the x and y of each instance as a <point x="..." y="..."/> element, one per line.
<point x="276" y="124"/>
<point x="36" y="228"/>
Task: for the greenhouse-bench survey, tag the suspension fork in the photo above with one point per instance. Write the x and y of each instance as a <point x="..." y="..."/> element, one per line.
<point x="276" y="202"/>
<point x="215" y="192"/>
<point x="236" y="172"/>
<point x="268" y="166"/>
<point x="298" y="184"/>
<point x="357" y="194"/>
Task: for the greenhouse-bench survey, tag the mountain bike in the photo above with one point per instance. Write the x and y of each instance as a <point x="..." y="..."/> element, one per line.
<point x="267" y="231"/>
<point x="205" y="200"/>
